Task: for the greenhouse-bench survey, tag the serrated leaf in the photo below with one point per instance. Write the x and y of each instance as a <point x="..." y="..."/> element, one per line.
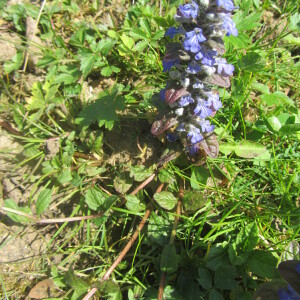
<point x="145" y="25"/>
<point x="141" y="45"/>
<point x="94" y="198"/>
<point x="225" y="278"/>
<point x="166" y="176"/>
<point x="217" y="256"/>
<point x="247" y="149"/>
<point x="137" y="33"/>
<point x="102" y="110"/>
<point x="87" y="60"/>
<point x="169" y="260"/>
<point x="252" y="62"/>
<point x="262" y="263"/>
<point x="43" y="201"/>
<point x="165" y="199"/>
<point x="78" y="38"/>
<point x="159" y="229"/>
<point x="158" y="35"/>
<point x="134" y="204"/>
<point x="295" y="22"/>
<point x="104" y="46"/>
<point x="247" y="22"/>
<point x="65" y="175"/>
<point x="108" y="70"/>
<point x="10" y="203"/>
<point x="261" y="87"/>
<point x="127" y="41"/>
<point x="110" y="290"/>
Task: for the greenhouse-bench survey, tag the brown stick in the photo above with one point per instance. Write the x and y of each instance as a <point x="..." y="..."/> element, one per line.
<point x="126" y="248"/>
<point x="172" y="238"/>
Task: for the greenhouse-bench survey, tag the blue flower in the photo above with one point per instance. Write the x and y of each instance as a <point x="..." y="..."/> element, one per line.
<point x="213" y="100"/>
<point x="180" y="127"/>
<point x="198" y="84"/>
<point x="202" y="109"/>
<point x="192" y="40"/>
<point x="194" y="134"/>
<point x="206" y="126"/>
<point x="168" y="64"/>
<point x="224" y="69"/>
<point x="193" y="149"/>
<point x="185" y="100"/>
<point x="171" y="32"/>
<point x="288" y="294"/>
<point x="189" y="10"/>
<point x="207" y="56"/>
<point x="227" y="4"/>
<point x="229" y="25"/>
<point x="193" y="68"/>
<point x="298" y="268"/>
<point x="171" y="137"/>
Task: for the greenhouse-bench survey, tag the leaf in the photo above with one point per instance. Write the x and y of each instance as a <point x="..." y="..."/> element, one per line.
<point x="94" y="198"/>
<point x="141" y="46"/>
<point x="104" y="46"/>
<point x="76" y="283"/>
<point x="277" y="98"/>
<point x="15" y="64"/>
<point x="10" y="203"/>
<point x="108" y="70"/>
<point x="159" y="229"/>
<point x="225" y="277"/>
<point x="245" y="241"/>
<point x="262" y="159"/>
<point x="215" y="295"/>
<point x="193" y="200"/>
<point x="67" y="74"/>
<point x="169" y="260"/>
<point x="204" y="278"/>
<point x="244" y="22"/>
<point x="252" y="62"/>
<point x="110" y="290"/>
<point x="158" y="35"/>
<point x="43" y="201"/>
<point x="165" y="199"/>
<point x="87" y="60"/>
<point x="199" y="177"/>
<point x="137" y="33"/>
<point x="65" y="175"/>
<point x="134" y="204"/>
<point x="103" y="110"/>
<point x="261" y="87"/>
<point x="247" y="149"/>
<point x="77" y="39"/>
<point x="217" y="256"/>
<point x="274" y="123"/>
<point x="228" y="147"/>
<point x="128" y="42"/>
<point x="210" y="145"/>
<point x="170" y="293"/>
<point x="140" y="172"/>
<point x="290" y="128"/>
<point x="122" y="183"/>
<point x="295" y="22"/>
<point x="262" y="263"/>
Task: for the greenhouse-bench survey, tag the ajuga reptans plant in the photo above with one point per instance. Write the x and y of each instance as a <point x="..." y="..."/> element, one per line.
<point x="195" y="65"/>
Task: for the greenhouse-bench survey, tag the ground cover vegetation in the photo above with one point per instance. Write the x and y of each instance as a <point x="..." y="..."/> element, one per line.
<point x="80" y="169"/>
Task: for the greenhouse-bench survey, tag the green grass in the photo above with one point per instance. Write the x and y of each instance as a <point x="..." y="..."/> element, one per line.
<point x="92" y="85"/>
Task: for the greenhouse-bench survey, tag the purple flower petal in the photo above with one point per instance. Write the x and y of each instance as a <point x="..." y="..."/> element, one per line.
<point x="185" y="100"/>
<point x="171" y="32"/>
<point x="194" y="134"/>
<point x="189" y="10"/>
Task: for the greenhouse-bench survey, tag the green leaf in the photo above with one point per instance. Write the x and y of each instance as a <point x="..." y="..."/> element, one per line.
<point x="65" y="175"/>
<point x="137" y="33"/>
<point x="274" y="123"/>
<point x="199" y="177"/>
<point x="140" y="172"/>
<point x="170" y="293"/>
<point x="43" y="201"/>
<point x="104" y="46"/>
<point x="215" y="295"/>
<point x="247" y="149"/>
<point x="262" y="263"/>
<point x="76" y="283"/>
<point x="128" y="42"/>
<point x="295" y="22"/>
<point x="165" y="199"/>
<point x="94" y="198"/>
<point x="193" y="200"/>
<point x="10" y="203"/>
<point x="227" y="148"/>
<point x="252" y="62"/>
<point x="166" y="176"/>
<point x="217" y="256"/>
<point x="159" y="229"/>
<point x="68" y="74"/>
<point x="158" y="35"/>
<point x="261" y="160"/>
<point x="122" y="183"/>
<point x="141" y="45"/>
<point x="108" y="70"/>
<point x="277" y="98"/>
<point x="247" y="22"/>
<point x="87" y="60"/>
<point x="261" y="87"/>
<point x="110" y="290"/>
<point x="169" y="260"/>
<point x="225" y="278"/>
<point x="245" y="241"/>
<point x="204" y="278"/>
<point x="134" y="204"/>
<point x="15" y="64"/>
<point x="77" y="39"/>
<point x="290" y="128"/>
<point x="103" y="110"/>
